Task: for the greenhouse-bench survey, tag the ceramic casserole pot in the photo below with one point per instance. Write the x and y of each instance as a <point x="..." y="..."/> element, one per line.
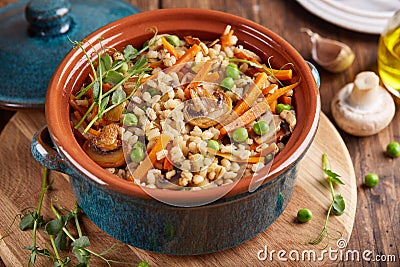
<point x="123" y="209"/>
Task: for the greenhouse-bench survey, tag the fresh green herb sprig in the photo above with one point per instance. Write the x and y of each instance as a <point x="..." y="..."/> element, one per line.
<point x="260" y="66"/>
<point x="59" y="234"/>
<point x="107" y="72"/>
<point x="337" y="205"/>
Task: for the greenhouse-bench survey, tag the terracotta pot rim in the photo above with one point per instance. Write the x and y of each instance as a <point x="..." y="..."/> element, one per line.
<point x="68" y="69"/>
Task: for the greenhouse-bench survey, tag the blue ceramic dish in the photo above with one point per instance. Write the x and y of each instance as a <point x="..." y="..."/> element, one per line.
<point x="123" y="209"/>
<point x="35" y="39"/>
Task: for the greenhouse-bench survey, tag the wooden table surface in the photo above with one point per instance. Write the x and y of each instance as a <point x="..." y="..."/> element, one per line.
<point x="377" y="221"/>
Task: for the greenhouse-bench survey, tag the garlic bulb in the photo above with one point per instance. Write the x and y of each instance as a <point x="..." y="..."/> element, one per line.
<point x="332" y="55"/>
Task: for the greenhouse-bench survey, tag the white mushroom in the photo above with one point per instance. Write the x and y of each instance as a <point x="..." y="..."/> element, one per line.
<point x="363" y="108"/>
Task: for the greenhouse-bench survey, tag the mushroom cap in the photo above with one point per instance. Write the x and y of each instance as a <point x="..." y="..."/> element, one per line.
<point x="361" y="121"/>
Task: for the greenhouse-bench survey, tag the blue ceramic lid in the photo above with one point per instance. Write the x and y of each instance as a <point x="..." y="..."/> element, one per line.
<point x="34" y="39"/>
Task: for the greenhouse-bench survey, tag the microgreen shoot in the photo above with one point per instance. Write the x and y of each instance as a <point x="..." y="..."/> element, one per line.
<point x="59" y="234"/>
<point x="107" y="73"/>
<point x="337" y="205"/>
<point x="260" y="66"/>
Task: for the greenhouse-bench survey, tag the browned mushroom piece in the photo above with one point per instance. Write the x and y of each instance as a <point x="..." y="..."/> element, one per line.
<point x="206" y="109"/>
<point x="106" y="149"/>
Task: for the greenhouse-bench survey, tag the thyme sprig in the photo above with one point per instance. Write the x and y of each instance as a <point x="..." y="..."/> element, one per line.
<point x="337" y="205"/>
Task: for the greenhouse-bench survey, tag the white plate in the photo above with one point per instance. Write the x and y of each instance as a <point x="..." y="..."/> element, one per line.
<point x="367" y="16"/>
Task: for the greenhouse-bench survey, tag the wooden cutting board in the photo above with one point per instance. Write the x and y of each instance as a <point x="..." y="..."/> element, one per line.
<point x="20" y="182"/>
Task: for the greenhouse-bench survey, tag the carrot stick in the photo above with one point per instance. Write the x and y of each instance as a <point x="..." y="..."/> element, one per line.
<point x="278" y="74"/>
<point x="251" y="95"/>
<point x="286" y="100"/>
<point x="212" y="77"/>
<point x="247" y="101"/>
<point x="247" y="117"/>
<point x="273" y="106"/>
<point x="150" y="160"/>
<point x="185" y="58"/>
<point x="170" y="48"/>
<point x="168" y="165"/>
<point x="269" y="88"/>
<point x="280" y="92"/>
<point x="94" y="132"/>
<point x="250" y="160"/>
<point x="200" y="76"/>
<point x="226" y="39"/>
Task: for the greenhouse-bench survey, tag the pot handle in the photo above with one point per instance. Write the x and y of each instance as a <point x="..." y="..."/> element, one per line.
<point x="44" y="151"/>
<point x="314" y="73"/>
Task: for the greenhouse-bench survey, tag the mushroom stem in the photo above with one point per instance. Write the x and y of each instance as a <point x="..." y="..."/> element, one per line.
<point x="364" y="90"/>
<point x="363" y="108"/>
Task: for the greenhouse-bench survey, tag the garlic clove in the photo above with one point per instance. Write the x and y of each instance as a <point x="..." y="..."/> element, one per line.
<point x="332" y="55"/>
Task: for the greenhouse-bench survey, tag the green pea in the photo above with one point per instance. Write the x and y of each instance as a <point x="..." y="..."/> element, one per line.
<point x="173" y="39"/>
<point x="152" y="91"/>
<point x="240" y="135"/>
<point x="123" y="68"/>
<point x="261" y="127"/>
<point x="130" y="119"/>
<point x="137" y="153"/>
<point x="393" y="149"/>
<point x="143" y="264"/>
<point x="227" y="83"/>
<point x="281" y="107"/>
<point x="232" y="71"/>
<point x="213" y="144"/>
<point x="304" y="215"/>
<point x="371" y="179"/>
<point x="269" y="157"/>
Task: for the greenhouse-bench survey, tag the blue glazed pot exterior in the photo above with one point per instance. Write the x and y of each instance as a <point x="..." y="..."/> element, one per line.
<point x="158" y="227"/>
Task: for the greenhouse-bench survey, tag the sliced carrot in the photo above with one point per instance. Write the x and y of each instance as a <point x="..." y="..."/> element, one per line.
<point x="268" y="150"/>
<point x="150" y="160"/>
<point x="280" y="92"/>
<point x="247" y="117"/>
<point x="156" y="64"/>
<point x="251" y="95"/>
<point x="226" y="39"/>
<point x="200" y="76"/>
<point x="287" y="100"/>
<point x="94" y="132"/>
<point x="269" y="88"/>
<point x="253" y="146"/>
<point x="106" y="87"/>
<point x="189" y="54"/>
<point x="168" y="166"/>
<point x="247" y="101"/>
<point x="170" y="48"/>
<point x="185" y="58"/>
<point x="281" y="74"/>
<point x="273" y="105"/>
<point x="250" y="160"/>
<point x="212" y="77"/>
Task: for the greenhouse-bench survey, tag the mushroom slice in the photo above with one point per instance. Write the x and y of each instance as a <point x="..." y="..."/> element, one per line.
<point x="363" y="108"/>
<point x="205" y="109"/>
<point x="106" y="149"/>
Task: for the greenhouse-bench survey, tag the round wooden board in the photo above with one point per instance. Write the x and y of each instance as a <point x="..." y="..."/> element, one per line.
<point x="20" y="183"/>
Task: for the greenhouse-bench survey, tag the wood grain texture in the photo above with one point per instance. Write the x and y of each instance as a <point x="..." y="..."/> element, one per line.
<point x="21" y="182"/>
<point x="377" y="223"/>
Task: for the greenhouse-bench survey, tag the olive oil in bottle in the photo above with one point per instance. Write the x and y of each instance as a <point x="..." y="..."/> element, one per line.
<point x="389" y="54"/>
